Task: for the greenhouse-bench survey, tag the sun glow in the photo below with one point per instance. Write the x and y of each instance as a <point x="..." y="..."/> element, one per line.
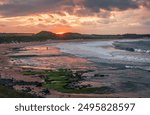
<point x="60" y="33"/>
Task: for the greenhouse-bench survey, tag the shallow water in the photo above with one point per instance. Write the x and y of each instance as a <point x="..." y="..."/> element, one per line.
<point x="115" y="63"/>
<point x="48" y="57"/>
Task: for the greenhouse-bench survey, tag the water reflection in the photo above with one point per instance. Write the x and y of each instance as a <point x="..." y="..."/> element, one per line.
<point x="43" y="57"/>
<point x="37" y="50"/>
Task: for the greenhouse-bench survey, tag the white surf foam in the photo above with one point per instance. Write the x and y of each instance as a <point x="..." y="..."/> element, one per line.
<point x="102" y="50"/>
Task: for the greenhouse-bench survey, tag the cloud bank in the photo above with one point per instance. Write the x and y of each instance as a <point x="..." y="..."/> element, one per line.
<point x="84" y="16"/>
<point x="11" y="8"/>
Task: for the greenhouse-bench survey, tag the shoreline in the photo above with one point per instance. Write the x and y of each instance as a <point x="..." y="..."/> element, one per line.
<point x="9" y="71"/>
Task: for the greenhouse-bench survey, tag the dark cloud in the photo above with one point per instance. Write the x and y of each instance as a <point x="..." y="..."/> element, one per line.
<point x="96" y="5"/>
<point x="27" y="7"/>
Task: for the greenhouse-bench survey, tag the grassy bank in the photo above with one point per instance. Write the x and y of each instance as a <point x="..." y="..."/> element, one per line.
<point x="67" y="81"/>
<point x="6" y="92"/>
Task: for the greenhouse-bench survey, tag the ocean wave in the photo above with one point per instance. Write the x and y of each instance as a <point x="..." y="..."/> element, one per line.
<point x="136" y="46"/>
<point x="147" y="68"/>
<point x="103" y="50"/>
<point x="142" y="51"/>
<point x="132" y="49"/>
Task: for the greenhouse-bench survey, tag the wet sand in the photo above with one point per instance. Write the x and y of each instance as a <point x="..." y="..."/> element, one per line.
<point x="12" y="71"/>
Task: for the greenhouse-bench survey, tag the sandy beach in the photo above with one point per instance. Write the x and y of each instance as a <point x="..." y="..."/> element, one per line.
<point x="11" y="73"/>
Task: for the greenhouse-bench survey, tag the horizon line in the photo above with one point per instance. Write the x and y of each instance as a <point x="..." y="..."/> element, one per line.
<point x="71" y="32"/>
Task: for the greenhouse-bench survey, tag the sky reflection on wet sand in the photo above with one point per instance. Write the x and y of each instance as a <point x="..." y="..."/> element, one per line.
<point x="51" y="58"/>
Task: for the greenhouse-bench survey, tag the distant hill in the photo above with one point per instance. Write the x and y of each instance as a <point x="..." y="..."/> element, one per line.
<point x="45" y="34"/>
<point x="19" y="37"/>
<point x="70" y="35"/>
<point x="52" y="35"/>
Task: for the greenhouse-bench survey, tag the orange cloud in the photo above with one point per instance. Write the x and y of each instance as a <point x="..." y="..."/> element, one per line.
<point x="78" y="19"/>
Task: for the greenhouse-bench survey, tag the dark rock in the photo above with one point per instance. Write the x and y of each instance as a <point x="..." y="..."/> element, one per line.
<point x="45" y="91"/>
<point x="100" y="75"/>
<point x="39" y="85"/>
<point x="7" y="82"/>
<point x="27" y="89"/>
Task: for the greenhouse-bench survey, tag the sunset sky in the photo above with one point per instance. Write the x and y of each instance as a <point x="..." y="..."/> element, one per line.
<point x="83" y="16"/>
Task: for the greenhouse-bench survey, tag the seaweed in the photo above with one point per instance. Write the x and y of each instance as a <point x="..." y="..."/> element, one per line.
<point x="66" y="81"/>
